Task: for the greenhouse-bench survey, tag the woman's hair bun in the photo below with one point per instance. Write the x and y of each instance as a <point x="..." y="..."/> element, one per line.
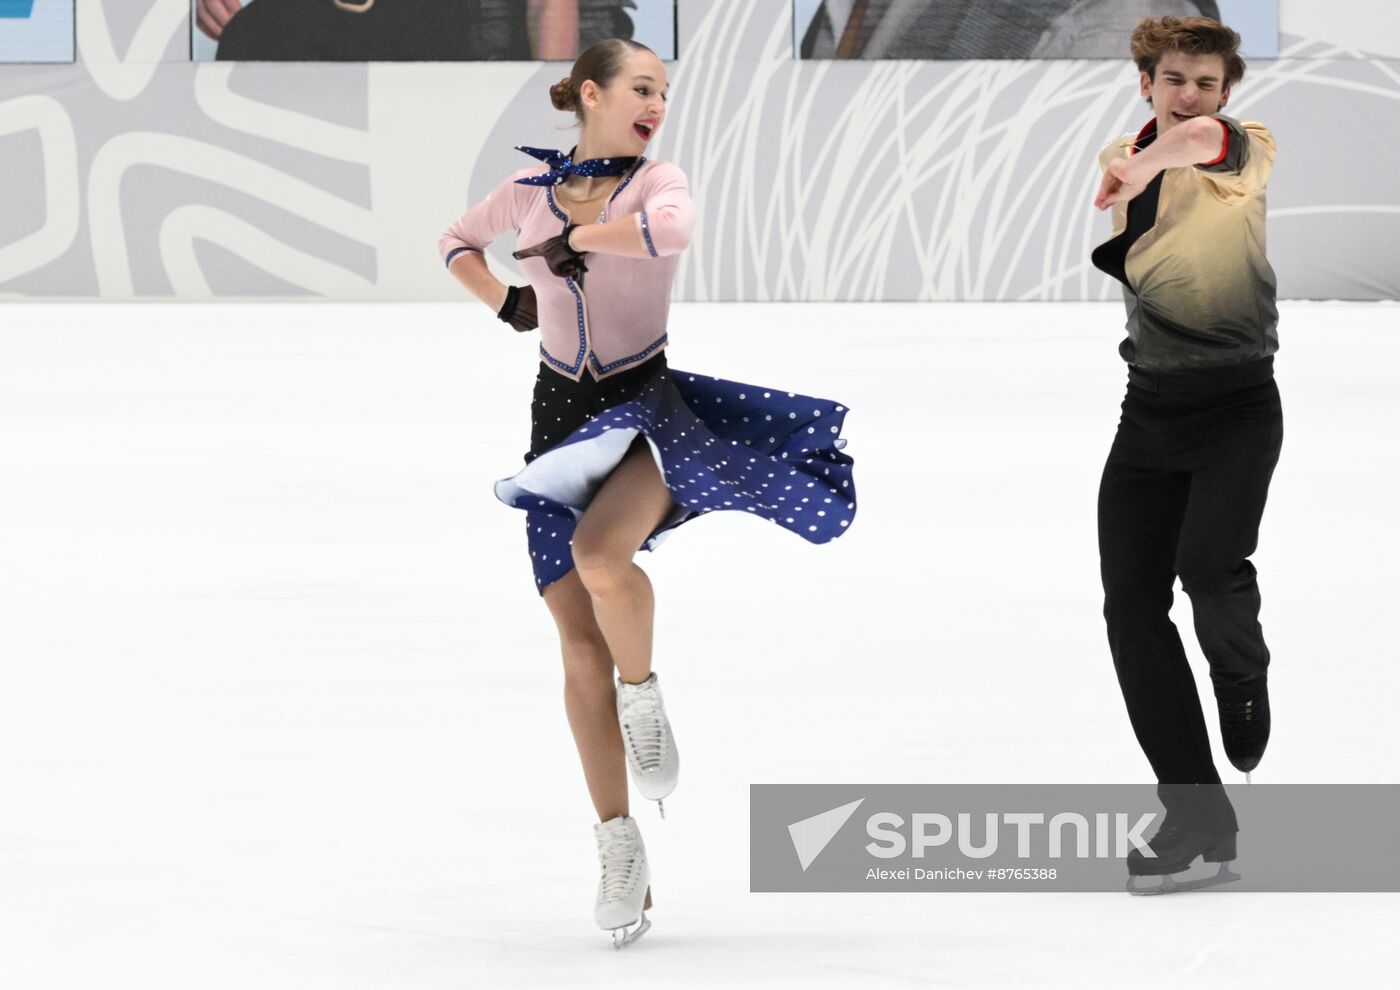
<point x="561" y="94"/>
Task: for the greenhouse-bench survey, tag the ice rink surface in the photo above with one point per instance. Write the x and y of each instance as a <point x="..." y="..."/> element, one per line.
<point x="280" y="708"/>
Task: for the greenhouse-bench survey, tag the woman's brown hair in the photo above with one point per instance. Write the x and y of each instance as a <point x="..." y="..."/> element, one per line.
<point x="1154" y="38"/>
<point x="601" y="63"/>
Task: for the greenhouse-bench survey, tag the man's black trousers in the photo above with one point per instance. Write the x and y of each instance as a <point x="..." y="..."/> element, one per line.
<point x="1182" y="496"/>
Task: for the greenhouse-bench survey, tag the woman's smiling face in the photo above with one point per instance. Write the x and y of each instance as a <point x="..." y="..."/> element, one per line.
<point x="627" y="112"/>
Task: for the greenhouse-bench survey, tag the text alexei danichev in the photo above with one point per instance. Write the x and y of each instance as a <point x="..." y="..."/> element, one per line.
<point x="958" y="873"/>
<point x="919" y="873"/>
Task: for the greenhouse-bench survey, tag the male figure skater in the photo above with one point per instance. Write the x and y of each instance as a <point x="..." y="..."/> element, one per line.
<point x="1184" y="487"/>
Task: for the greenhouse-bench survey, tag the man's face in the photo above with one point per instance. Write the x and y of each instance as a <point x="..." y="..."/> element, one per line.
<point x="1186" y="86"/>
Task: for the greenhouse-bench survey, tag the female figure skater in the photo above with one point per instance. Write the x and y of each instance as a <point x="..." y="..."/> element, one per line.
<point x="623" y="448"/>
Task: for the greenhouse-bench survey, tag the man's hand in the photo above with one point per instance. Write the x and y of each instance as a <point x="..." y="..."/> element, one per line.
<point x="1121" y="182"/>
<point x="212" y="15"/>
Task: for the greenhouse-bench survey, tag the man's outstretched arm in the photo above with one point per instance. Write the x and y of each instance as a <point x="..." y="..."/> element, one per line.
<point x="1198" y="141"/>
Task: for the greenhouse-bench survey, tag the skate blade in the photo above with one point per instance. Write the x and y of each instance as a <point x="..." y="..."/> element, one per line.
<point x="624" y="936"/>
<point x="1169" y="885"/>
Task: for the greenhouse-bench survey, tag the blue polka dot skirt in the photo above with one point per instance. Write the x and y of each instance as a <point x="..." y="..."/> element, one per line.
<point x="721" y="446"/>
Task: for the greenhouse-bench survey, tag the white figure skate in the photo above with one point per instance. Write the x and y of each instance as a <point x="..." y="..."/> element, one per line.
<point x="624" y="883"/>
<point x="646" y="735"/>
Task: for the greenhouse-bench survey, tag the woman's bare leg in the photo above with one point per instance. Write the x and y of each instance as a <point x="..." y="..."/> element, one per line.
<point x="590" y="700"/>
<point x="631" y="503"/>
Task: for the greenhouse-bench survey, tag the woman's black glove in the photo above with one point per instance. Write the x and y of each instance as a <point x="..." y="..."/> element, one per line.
<point x="563" y="260"/>
<point x="519" y="309"/>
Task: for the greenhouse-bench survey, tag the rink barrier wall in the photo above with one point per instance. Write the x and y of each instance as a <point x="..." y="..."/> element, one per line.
<point x="136" y="174"/>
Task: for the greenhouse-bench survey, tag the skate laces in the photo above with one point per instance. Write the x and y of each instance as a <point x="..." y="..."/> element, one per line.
<point x="1242" y="718"/>
<point x="620" y="860"/>
<point x="643" y="722"/>
<point x="1166" y="833"/>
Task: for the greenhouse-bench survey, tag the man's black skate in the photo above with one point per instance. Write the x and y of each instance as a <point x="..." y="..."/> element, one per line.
<point x="1176" y="848"/>
<point x="1244" y="728"/>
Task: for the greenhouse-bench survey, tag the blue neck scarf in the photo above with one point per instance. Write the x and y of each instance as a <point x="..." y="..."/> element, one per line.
<point x="561" y="166"/>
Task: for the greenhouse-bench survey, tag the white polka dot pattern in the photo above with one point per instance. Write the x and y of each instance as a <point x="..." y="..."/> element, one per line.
<point x="720" y="448"/>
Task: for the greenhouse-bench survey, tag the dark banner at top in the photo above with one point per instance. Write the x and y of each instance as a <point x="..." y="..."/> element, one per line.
<point x="424" y="30"/>
<point x="1007" y="29"/>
